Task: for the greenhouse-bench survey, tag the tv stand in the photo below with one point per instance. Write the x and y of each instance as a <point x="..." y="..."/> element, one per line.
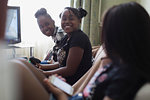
<point x="20" y="45"/>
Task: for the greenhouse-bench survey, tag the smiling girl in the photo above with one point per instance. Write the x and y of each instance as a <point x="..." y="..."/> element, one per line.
<point x="75" y="54"/>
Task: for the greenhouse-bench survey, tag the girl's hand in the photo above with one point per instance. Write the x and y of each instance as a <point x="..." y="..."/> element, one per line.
<point x="39" y="65"/>
<point x="59" y="94"/>
<point x="60" y="77"/>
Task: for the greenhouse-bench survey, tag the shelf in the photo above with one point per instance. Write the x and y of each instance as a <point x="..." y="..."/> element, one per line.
<point x="20" y="46"/>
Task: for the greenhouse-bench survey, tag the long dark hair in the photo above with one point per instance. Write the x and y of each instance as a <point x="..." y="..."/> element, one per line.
<point x="126" y="35"/>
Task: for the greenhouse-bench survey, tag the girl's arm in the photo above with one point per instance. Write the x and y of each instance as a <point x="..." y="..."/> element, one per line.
<point x="48" y="66"/>
<point x="73" y="61"/>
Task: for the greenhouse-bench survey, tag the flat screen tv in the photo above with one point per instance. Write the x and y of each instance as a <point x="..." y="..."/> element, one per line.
<point x="13" y="31"/>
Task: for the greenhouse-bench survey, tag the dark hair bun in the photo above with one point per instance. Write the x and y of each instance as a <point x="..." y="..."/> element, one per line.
<point x="40" y="12"/>
<point x="79" y="13"/>
<point x="82" y="12"/>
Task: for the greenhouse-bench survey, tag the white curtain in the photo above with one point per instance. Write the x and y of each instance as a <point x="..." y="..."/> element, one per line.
<point x="30" y="32"/>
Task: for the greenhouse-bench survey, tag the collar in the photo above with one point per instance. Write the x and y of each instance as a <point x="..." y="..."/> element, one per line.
<point x="55" y="31"/>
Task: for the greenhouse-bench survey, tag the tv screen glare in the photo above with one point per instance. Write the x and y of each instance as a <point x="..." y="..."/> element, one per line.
<point x="12" y="31"/>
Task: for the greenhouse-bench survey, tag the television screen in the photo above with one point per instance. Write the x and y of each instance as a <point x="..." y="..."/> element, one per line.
<point x="12" y="31"/>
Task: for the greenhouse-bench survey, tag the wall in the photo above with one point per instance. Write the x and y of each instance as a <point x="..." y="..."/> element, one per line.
<point x="109" y="3"/>
<point x="145" y="4"/>
<point x="106" y="4"/>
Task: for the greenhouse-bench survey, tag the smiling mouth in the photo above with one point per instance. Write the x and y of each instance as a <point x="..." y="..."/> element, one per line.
<point x="48" y="32"/>
<point x="68" y="26"/>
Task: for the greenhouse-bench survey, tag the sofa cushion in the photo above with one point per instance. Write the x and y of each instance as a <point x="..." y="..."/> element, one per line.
<point x="143" y="93"/>
<point x="83" y="81"/>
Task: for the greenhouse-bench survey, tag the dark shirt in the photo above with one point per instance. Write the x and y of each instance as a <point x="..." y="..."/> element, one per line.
<point x="77" y="39"/>
<point x="118" y="82"/>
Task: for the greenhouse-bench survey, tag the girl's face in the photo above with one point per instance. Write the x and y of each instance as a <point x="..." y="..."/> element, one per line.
<point x="46" y="25"/>
<point x="69" y="22"/>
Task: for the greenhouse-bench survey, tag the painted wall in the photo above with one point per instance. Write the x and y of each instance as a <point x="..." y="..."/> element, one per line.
<point x="106" y="4"/>
<point x="109" y="3"/>
<point x="145" y="4"/>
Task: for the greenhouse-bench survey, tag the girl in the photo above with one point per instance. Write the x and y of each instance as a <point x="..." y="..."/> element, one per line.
<point x="75" y="54"/>
<point x="125" y="38"/>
